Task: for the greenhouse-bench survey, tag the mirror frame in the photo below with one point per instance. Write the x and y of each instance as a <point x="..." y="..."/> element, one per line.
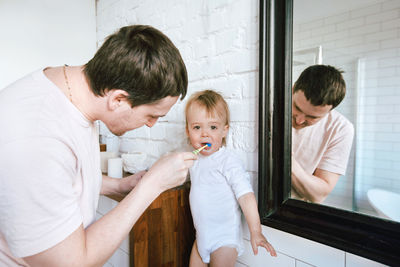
<point x="370" y="237"/>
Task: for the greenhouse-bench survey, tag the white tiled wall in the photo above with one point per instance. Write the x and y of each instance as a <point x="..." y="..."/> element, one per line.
<point x="218" y="40"/>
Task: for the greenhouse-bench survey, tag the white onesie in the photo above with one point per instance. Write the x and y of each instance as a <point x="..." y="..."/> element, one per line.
<point x="217" y="182"/>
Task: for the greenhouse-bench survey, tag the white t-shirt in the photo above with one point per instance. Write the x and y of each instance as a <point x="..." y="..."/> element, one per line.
<point x="50" y="176"/>
<point x="325" y="145"/>
<point x="217" y="181"/>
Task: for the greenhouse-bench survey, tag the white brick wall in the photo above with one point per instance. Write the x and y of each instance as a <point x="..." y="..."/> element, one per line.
<point x="219" y="44"/>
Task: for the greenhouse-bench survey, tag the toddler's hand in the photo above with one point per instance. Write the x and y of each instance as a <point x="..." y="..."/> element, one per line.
<point x="259" y="240"/>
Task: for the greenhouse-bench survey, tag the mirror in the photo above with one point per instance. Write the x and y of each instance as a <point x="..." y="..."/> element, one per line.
<point x="283" y="55"/>
<point x="361" y="38"/>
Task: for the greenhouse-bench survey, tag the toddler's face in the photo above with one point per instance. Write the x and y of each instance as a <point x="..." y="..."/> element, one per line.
<point x="202" y="129"/>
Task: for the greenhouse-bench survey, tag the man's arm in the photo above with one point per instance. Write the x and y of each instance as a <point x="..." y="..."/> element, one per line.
<point x="312" y="187"/>
<point x="120" y="187"/>
<point x="95" y="244"/>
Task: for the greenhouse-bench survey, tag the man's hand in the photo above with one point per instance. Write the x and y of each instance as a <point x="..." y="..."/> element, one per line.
<point x="171" y="170"/>
<point x="129" y="182"/>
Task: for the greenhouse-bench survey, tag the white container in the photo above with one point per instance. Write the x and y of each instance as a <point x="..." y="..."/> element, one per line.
<point x="104" y="156"/>
<point x="115" y="167"/>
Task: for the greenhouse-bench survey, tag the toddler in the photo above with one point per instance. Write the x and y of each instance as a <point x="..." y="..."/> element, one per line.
<point x="219" y="185"/>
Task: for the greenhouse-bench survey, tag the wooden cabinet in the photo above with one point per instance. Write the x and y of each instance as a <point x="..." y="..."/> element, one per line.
<point x="164" y="234"/>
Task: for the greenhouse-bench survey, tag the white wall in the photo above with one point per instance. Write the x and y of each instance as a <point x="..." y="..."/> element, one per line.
<point x="44" y="33"/>
<point x="219" y="44"/>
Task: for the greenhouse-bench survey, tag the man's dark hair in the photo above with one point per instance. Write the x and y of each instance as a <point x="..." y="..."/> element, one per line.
<point x="322" y="85"/>
<point x="140" y="60"/>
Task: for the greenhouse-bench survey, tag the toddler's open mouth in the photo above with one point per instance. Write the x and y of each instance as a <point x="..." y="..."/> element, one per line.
<point x="207" y="147"/>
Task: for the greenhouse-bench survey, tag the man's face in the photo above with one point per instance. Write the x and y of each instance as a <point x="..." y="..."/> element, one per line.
<point x="304" y="113"/>
<point x="126" y="118"/>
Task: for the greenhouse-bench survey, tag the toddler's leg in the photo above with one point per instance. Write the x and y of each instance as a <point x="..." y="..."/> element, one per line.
<point x="223" y="257"/>
<point x="195" y="259"/>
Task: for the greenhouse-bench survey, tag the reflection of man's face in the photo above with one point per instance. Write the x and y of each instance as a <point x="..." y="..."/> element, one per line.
<point x="304" y="113"/>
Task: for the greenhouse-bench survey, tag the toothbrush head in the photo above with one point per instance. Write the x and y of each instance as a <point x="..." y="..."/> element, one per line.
<point x="197" y="151"/>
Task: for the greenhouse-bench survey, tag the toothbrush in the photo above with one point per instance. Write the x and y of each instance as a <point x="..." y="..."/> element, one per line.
<point x="197" y="151"/>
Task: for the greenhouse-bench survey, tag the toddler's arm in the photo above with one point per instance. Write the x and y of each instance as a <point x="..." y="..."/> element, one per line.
<point x="249" y="207"/>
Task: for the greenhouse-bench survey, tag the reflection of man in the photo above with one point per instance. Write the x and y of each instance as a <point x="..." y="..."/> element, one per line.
<point x="321" y="136"/>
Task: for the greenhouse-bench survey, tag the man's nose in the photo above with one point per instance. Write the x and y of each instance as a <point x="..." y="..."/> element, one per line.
<point x="300" y="118"/>
<point x="150" y="123"/>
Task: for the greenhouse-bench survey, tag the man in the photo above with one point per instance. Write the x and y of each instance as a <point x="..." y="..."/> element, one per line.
<point x="321" y="136"/>
<point x="50" y="176"/>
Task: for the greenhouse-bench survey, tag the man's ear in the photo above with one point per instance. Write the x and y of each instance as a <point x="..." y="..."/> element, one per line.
<point x="116" y="97"/>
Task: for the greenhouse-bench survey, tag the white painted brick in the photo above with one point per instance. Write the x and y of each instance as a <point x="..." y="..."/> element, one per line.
<point x="384" y="16"/>
<point x="365" y="30"/>
<point x="229" y="87"/>
<point x="337" y="18"/>
<point x="242" y="12"/>
<point x="347" y="24"/>
<point x="392" y="81"/>
<point x="175" y="133"/>
<point x="327" y="29"/>
<point x="243" y="61"/>
<point x="218" y="4"/>
<point x="383" y="35"/>
<point x="301" y="35"/>
<point x="244" y="110"/>
<point x="214" y="22"/>
<point x="194" y="70"/>
<point x="214" y="67"/>
<point x="360" y="50"/>
<point x="244" y="137"/>
<point x="310" y="42"/>
<point x="336" y="36"/>
<point x="250" y="84"/>
<point x="176" y="18"/>
<point x="390" y="5"/>
<point x="158" y="131"/>
<point x="392" y="43"/>
<point x="311" y="25"/>
<point x="225" y="40"/>
<point x="366" y="11"/>
<point x="142" y="132"/>
<point x="194" y="28"/>
<point x="203" y="48"/>
<point x="250" y="34"/>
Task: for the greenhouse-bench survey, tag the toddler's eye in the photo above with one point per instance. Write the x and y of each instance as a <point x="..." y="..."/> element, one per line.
<point x="213" y="127"/>
<point x="196" y="127"/>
